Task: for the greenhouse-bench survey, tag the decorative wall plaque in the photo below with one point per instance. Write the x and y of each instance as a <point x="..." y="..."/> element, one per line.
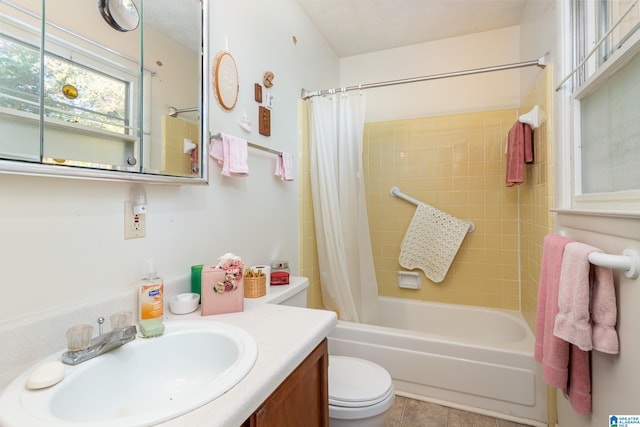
<point x="225" y="80"/>
<point x="264" y="119"/>
<point x="257" y="92"/>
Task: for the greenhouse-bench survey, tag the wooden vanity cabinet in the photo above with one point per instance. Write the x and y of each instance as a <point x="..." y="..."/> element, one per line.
<point x="302" y="399"/>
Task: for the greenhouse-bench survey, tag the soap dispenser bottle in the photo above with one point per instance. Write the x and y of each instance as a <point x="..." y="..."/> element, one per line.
<point x="151" y="303"/>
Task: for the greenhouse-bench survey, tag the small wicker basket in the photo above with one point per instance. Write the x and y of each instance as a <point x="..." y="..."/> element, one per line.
<point x="255" y="287"/>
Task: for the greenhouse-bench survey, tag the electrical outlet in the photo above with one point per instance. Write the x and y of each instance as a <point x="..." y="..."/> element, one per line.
<point x="134" y="225"/>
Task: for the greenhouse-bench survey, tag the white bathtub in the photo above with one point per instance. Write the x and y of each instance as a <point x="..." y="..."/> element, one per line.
<point x="470" y="358"/>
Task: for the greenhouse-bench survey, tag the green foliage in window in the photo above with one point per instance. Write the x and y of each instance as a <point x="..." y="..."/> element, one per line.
<point x="95" y="100"/>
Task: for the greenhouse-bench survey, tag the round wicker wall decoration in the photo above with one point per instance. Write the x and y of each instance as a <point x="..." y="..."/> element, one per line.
<point x="225" y="80"/>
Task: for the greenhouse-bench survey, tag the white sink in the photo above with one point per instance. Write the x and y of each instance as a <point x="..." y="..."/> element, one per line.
<point x="141" y="383"/>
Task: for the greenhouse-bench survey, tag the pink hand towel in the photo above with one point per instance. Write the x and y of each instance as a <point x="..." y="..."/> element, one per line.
<point x="563" y="366"/>
<point x="604" y="312"/>
<point x="284" y="167"/>
<point x="216" y="151"/>
<point x="578" y="390"/>
<point x="528" y="143"/>
<point x="519" y="151"/>
<point x="230" y="153"/>
<point x="235" y="150"/>
<point x="551" y="351"/>
<point x="574" y="293"/>
<point x="587" y="302"/>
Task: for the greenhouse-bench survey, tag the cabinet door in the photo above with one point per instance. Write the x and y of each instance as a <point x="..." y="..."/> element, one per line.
<point x="302" y="399"/>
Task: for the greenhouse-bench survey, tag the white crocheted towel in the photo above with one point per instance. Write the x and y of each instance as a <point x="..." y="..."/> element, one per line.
<point x="432" y="241"/>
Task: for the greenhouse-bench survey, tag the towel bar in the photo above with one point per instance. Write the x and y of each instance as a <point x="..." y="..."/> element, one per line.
<point x="629" y="261"/>
<point x="395" y="192"/>
<point x="253" y="145"/>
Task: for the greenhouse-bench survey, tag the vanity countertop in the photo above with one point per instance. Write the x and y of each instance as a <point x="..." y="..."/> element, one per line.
<point x="285" y="336"/>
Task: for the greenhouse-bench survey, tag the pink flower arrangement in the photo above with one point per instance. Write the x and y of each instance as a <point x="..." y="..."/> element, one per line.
<point x="233" y="266"/>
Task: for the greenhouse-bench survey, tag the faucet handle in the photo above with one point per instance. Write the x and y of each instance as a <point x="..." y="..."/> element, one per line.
<point x="120" y="320"/>
<point x="79" y="337"/>
<point x="100" y="323"/>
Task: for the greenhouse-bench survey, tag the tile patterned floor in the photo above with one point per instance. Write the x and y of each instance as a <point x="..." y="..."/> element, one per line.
<point x="407" y="412"/>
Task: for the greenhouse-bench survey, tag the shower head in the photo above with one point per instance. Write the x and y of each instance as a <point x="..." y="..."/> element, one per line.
<point x="173" y="111"/>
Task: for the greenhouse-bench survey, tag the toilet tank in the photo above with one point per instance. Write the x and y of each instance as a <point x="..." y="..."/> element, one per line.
<point x="293" y="294"/>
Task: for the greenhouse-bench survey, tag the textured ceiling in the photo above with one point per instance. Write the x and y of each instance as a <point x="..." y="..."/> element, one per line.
<point x="355" y="27"/>
<point x="178" y="19"/>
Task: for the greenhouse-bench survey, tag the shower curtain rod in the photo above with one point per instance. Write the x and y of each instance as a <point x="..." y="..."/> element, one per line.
<point x="540" y="62"/>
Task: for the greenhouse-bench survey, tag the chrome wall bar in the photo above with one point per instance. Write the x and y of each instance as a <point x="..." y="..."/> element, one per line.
<point x="252" y="145"/>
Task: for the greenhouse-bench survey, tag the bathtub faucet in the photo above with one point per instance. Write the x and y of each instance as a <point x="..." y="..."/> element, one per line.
<point x="101" y="344"/>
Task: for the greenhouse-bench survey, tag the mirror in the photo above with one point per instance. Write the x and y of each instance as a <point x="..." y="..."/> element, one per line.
<point x="112" y="89"/>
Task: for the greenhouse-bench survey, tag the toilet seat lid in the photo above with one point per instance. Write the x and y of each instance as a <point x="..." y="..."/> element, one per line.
<point x="357" y="382"/>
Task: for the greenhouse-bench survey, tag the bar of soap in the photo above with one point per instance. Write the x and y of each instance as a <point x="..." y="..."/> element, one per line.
<point x="151" y="328"/>
<point x="46" y="375"/>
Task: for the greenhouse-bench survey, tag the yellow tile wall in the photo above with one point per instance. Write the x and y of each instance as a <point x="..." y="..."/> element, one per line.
<point x="536" y="197"/>
<point x="308" y="251"/>
<point x="455" y="163"/>
<point x="174" y="131"/>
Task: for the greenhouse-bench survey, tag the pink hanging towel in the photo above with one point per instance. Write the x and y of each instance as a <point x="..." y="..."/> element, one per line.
<point x="284" y="167"/>
<point x="564" y="366"/>
<point x="519" y="152"/>
<point x="586" y="302"/>
<point x="231" y="153"/>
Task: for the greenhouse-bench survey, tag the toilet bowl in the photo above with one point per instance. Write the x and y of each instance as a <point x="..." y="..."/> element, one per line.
<point x="360" y="393"/>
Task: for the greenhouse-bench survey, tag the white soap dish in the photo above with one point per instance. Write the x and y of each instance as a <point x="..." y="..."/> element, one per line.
<point x="184" y="303"/>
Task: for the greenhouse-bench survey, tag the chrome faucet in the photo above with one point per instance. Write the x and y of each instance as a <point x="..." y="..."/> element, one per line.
<point x="101" y="344"/>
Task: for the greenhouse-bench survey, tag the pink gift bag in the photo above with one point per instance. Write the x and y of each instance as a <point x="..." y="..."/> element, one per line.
<point x="222" y="292"/>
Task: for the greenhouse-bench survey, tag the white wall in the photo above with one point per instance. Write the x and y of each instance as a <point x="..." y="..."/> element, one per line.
<point x="62" y="239"/>
<point x="479" y="92"/>
<point x="538" y="34"/>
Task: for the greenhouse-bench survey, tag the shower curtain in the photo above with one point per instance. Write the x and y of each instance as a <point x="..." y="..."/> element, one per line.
<point x="347" y="273"/>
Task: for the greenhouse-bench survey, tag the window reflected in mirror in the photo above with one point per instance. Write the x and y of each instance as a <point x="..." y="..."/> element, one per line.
<point x="98" y="97"/>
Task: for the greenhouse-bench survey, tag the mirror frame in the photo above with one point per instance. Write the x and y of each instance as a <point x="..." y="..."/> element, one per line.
<point x="61" y="171"/>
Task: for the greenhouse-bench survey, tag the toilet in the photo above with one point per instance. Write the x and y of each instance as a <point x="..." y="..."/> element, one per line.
<point x="360" y="392"/>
